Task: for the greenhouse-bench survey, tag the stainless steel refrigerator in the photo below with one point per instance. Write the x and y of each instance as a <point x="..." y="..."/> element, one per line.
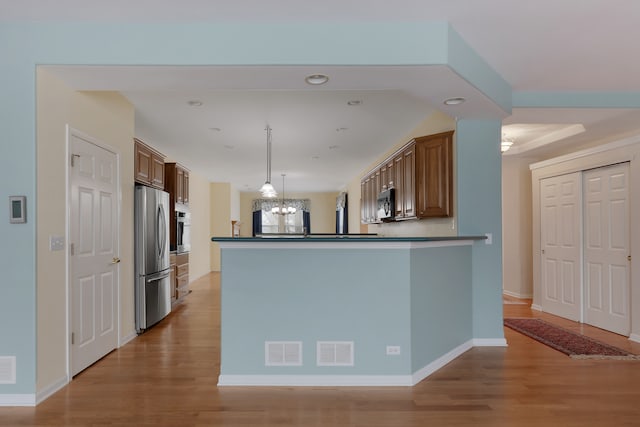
<point x="153" y="283"/>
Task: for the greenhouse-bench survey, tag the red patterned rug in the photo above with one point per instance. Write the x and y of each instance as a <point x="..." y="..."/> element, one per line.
<point x="570" y="343"/>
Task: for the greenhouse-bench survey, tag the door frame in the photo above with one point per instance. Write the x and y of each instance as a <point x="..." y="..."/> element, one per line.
<point x="69" y="133"/>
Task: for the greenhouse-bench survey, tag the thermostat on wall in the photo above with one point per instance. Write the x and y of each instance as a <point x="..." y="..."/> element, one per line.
<point x="17" y="209"/>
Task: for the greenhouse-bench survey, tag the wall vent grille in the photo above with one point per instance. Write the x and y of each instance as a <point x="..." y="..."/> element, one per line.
<point x="335" y="353"/>
<point x="283" y="353"/>
<point x="7" y="369"/>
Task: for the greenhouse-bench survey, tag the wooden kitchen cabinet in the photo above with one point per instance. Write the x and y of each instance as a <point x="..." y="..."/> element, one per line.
<point x="182" y="276"/>
<point x="172" y="278"/>
<point x="148" y="165"/>
<point x="434" y="175"/>
<point x="421" y="173"/>
<point x="408" y="190"/>
<point x="177" y="183"/>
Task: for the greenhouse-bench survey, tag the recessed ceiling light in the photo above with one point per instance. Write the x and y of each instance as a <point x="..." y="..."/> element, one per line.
<point x="315" y="157"/>
<point x="341" y="129"/>
<point x="454" y="101"/>
<point x="354" y="102"/>
<point x="316" y="79"/>
<point x="229" y="147"/>
<point x="215" y="129"/>
<point x="334" y="147"/>
<point x="195" y="103"/>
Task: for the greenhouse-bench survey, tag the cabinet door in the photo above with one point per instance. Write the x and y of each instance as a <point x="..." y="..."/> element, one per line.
<point x="398" y="183"/>
<point x="179" y="184"/>
<point x="185" y="188"/>
<point x="409" y="182"/>
<point x="174" y="283"/>
<point x="384" y="177"/>
<point x="157" y="171"/>
<point x="142" y="163"/>
<point x="363" y="202"/>
<point x="434" y="192"/>
<point x="369" y="203"/>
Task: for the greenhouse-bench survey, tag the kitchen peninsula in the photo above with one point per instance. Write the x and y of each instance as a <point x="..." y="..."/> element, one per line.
<point x="361" y="310"/>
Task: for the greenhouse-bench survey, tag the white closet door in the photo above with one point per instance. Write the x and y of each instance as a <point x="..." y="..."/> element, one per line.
<point x="606" y="248"/>
<point x="561" y="205"/>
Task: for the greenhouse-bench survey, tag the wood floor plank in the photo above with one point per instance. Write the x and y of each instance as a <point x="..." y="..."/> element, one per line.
<point x="167" y="377"/>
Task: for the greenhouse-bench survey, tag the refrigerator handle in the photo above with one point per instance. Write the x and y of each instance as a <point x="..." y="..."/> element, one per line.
<point x="158" y="276"/>
<point x="162" y="230"/>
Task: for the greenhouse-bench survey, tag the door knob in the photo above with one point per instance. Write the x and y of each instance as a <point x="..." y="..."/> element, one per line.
<point x="115" y="260"/>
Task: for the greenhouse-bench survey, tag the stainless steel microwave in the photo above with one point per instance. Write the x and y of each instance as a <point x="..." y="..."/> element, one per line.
<point x="386" y="204"/>
<point x="183" y="231"/>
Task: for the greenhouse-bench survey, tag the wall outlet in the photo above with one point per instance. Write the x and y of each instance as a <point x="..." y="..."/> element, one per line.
<point x="393" y="350"/>
<point x="56" y="243"/>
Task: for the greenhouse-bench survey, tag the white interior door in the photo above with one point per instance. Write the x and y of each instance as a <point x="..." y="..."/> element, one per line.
<point x="561" y="245"/>
<point x="94" y="234"/>
<point x="606" y="248"/>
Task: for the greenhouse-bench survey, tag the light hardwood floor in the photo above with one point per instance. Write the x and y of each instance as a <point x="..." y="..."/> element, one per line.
<point x="167" y="377"/>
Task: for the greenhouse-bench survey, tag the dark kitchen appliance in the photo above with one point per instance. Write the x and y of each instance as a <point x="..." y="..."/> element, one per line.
<point x="386" y="204"/>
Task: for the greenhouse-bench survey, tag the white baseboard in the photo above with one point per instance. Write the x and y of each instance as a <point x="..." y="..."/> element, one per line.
<point x="517" y="295"/>
<point x="315" y="380"/>
<point x="490" y="342"/>
<point x="17" y="400"/>
<point x="536" y="307"/>
<point x="440" y="362"/>
<point x="124" y="340"/>
<point x="351" y="380"/>
<point x="46" y="392"/>
<point x="634" y="337"/>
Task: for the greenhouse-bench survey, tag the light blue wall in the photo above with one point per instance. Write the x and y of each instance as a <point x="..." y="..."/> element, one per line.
<point x="418" y="299"/>
<point x="314" y="295"/>
<point x="25" y="45"/>
<point x="440" y="302"/>
<point x="479" y="166"/>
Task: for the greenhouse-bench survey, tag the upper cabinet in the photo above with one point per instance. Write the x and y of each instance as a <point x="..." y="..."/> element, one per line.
<point x="421" y="172"/>
<point x="177" y="183"/>
<point x="148" y="165"/>
<point x="434" y="175"/>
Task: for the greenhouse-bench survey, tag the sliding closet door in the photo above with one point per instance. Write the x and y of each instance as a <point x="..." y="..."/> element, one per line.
<point x="561" y="205"/>
<point x="606" y="248"/>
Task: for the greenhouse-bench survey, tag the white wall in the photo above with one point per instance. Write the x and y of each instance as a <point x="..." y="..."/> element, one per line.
<point x="517" y="266"/>
<point x="109" y="118"/>
<point x="200" y="207"/>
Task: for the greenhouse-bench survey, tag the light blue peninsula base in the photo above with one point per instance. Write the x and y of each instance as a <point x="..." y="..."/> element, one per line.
<point x="350" y="311"/>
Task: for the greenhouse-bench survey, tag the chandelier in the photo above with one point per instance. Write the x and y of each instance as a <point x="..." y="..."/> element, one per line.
<point x="283" y="209"/>
<point x="267" y="189"/>
<point x="505" y="143"/>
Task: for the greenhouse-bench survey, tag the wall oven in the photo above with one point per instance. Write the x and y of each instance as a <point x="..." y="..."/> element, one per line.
<point x="183" y="230"/>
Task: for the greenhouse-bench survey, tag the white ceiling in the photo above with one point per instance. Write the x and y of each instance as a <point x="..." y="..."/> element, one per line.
<point x="546" y="45"/>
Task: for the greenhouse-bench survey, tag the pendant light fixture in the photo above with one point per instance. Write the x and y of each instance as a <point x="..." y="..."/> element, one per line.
<point x="267" y="189"/>
<point x="283" y="209"/>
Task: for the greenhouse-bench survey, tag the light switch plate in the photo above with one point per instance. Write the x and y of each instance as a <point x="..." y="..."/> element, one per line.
<point x="56" y="243"/>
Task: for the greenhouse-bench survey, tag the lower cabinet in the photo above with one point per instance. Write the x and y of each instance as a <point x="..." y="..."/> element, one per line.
<point x="179" y="277"/>
<point x="172" y="265"/>
<point x="182" y="276"/>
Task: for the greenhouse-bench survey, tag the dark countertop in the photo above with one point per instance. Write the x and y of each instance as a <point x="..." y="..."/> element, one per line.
<point x="341" y="238"/>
